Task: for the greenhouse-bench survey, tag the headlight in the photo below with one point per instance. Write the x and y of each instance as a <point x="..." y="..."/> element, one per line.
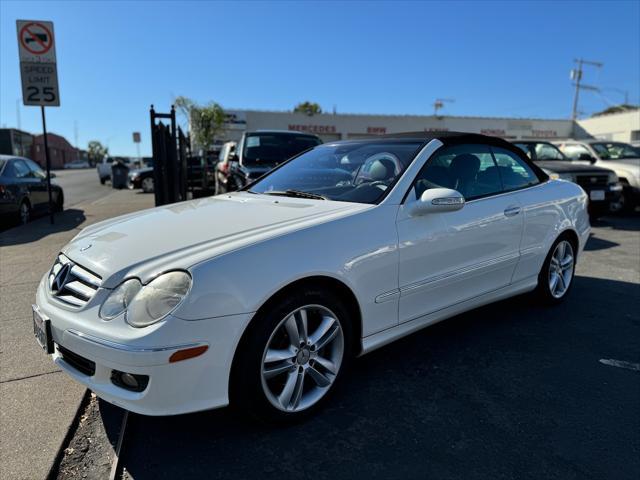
<point x="120" y="298"/>
<point x="148" y="304"/>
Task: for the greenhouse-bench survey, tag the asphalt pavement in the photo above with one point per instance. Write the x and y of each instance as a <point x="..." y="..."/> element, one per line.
<point x="81" y="185"/>
<point x="510" y="390"/>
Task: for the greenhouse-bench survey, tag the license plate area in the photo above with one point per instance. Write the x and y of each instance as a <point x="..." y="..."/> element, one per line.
<point x="42" y="330"/>
<point x="596" y="195"/>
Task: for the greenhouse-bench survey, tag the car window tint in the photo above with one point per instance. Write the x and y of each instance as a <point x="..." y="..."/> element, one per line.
<point x="21" y="169"/>
<point x="546" y="151"/>
<point x="514" y="172"/>
<point x="35" y="168"/>
<point x="469" y="169"/>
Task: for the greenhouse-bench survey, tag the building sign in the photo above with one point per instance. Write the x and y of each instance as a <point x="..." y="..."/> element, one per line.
<point x="544" y="133"/>
<point x="377" y="130"/>
<point x="136" y="137"/>
<point x="436" y="129"/>
<point x="496" y="132"/>
<point x="320" y="129"/>
<point x="39" y="73"/>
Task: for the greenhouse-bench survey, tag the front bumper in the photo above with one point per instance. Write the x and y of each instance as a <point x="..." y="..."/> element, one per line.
<point x="612" y="201"/>
<point x="199" y="383"/>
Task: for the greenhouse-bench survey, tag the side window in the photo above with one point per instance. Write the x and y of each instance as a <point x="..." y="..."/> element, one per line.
<point x="21" y="169"/>
<point x="514" y="172"/>
<point x="35" y="169"/>
<point x="469" y="169"/>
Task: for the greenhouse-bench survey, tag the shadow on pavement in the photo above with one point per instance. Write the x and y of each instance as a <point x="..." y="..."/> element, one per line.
<point x="595" y="243"/>
<point x="40" y="228"/>
<point x="510" y="390"/>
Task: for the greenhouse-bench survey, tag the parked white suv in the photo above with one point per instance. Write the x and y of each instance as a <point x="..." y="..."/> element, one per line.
<point x="620" y="157"/>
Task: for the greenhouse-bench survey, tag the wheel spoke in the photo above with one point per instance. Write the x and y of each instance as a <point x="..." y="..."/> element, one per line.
<point x="297" y="391"/>
<point x="327" y="364"/>
<point x="277" y="369"/>
<point x="554" y="261"/>
<point x="561" y="282"/>
<point x="327" y="338"/>
<point x="292" y="331"/>
<point x="567" y="262"/>
<point x="285" y="396"/>
<point x="553" y="283"/>
<point x="274" y="355"/>
<point x="301" y="322"/>
<point x="323" y="328"/>
<point x="561" y="249"/>
<point x="320" y="379"/>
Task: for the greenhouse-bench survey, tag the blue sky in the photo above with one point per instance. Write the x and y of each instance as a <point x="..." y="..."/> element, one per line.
<point x="495" y="58"/>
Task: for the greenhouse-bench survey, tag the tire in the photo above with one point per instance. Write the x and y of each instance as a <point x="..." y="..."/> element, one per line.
<point x="147" y="185"/>
<point x="24" y="212"/>
<point x="103" y="180"/>
<point x="274" y="381"/>
<point x="59" y="205"/>
<point x="556" y="276"/>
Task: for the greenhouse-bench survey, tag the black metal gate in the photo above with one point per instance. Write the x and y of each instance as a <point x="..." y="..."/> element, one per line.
<point x="170" y="149"/>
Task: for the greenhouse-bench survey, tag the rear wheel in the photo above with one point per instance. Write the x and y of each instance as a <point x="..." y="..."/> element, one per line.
<point x="292" y="357"/>
<point x="103" y="180"/>
<point x="556" y="277"/>
<point x="24" y="212"/>
<point x="59" y="204"/>
<point x="147" y="185"/>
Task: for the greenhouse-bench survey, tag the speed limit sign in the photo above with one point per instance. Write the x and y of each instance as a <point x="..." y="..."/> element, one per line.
<point x="38" y="68"/>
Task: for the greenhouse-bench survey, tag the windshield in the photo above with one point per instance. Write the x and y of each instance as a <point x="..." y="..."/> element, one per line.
<point x="274" y="148"/>
<point x="614" y="150"/>
<point x="351" y="172"/>
<point x="544" y="152"/>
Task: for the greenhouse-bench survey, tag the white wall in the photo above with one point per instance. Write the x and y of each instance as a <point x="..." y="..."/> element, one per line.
<point x="624" y="127"/>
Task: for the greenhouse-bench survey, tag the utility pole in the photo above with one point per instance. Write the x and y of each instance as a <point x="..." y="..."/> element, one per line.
<point x="439" y="104"/>
<point x="75" y="138"/>
<point x="576" y="75"/>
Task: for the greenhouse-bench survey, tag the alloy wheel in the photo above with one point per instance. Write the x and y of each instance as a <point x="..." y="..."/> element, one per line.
<point x="24" y="213"/>
<point x="561" y="269"/>
<point x="147" y="185"/>
<point x="302" y="358"/>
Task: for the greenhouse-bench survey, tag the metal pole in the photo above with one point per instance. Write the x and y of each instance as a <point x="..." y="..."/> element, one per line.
<point x="574" y="112"/>
<point x="48" y="160"/>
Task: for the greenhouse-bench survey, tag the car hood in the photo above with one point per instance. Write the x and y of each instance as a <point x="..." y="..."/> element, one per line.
<point x="630" y="164"/>
<point x="562" y="166"/>
<point x="147" y="243"/>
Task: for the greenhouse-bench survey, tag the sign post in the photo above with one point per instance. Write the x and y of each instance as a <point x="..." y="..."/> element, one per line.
<point x="136" y="140"/>
<point x="39" y="73"/>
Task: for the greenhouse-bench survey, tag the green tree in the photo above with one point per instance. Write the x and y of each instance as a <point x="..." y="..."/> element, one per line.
<point x="310" y="108"/>
<point x="96" y="152"/>
<point x="205" y="121"/>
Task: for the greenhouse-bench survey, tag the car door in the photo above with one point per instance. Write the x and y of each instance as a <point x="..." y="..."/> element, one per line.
<point x="449" y="257"/>
<point x="39" y="184"/>
<point x="28" y="183"/>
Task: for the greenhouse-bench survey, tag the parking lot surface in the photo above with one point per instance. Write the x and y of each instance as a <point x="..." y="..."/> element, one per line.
<point x="510" y="390"/>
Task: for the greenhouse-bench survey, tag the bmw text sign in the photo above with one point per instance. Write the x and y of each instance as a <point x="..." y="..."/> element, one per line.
<point x="38" y="68"/>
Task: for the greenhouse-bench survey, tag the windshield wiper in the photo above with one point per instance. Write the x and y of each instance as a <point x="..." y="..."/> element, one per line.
<point x="296" y="193"/>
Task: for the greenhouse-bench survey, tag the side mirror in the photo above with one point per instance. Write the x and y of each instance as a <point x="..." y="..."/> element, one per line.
<point x="52" y="175"/>
<point x="437" y="200"/>
<point x="586" y="156"/>
<point x="233" y="157"/>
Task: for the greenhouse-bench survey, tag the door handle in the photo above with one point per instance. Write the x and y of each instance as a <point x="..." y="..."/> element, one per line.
<point x="511" y="211"/>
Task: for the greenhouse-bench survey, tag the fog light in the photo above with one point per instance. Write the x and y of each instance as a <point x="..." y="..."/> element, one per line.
<point x="129" y="381"/>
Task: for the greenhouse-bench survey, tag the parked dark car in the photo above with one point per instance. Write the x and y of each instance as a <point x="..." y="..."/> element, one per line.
<point x="257" y="153"/>
<point x="23" y="189"/>
<point x="141" y="178"/>
<point x="601" y="184"/>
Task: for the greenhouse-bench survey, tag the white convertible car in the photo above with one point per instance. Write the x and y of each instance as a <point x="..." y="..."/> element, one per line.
<point x="260" y="298"/>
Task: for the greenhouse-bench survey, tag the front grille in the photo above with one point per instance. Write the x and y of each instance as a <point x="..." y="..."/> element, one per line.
<point x="71" y="283"/>
<point x="591" y="181"/>
<point x="81" y="364"/>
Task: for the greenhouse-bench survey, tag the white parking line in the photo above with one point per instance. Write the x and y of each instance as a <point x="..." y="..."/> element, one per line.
<point x="620" y="364"/>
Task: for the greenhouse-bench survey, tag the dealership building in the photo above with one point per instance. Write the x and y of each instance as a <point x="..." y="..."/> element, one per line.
<point x="331" y="127"/>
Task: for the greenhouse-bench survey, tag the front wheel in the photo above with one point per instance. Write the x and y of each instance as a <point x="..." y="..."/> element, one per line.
<point x="147" y="185"/>
<point x="556" y="276"/>
<point x="292" y="357"/>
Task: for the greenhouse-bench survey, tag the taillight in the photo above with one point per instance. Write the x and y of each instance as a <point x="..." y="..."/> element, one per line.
<point x="224" y="168"/>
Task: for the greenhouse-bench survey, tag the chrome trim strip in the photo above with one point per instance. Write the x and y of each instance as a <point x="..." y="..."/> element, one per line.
<point x="385" y="297"/>
<point x="405" y="290"/>
<point x="130" y="348"/>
